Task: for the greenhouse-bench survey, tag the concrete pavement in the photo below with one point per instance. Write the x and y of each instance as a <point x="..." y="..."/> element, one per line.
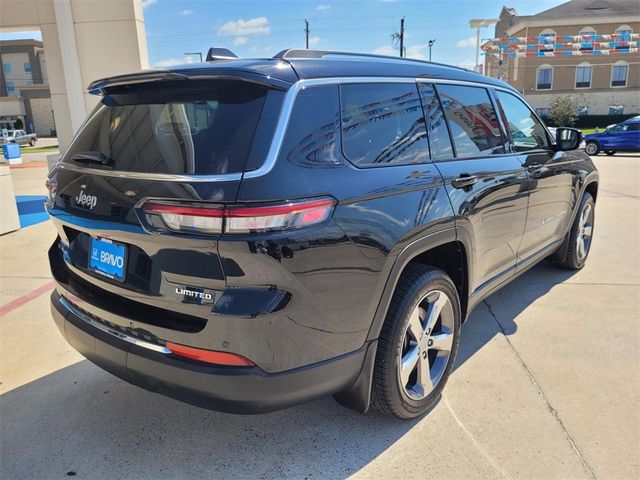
<point x="547" y="385"/>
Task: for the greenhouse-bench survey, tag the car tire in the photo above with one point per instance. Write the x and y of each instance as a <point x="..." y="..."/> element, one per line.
<point x="32" y="142"/>
<point x="580" y="236"/>
<point x="610" y="152"/>
<point x="422" y="328"/>
<point x="592" y="148"/>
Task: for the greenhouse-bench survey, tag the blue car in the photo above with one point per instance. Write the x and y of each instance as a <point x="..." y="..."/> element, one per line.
<point x="623" y="137"/>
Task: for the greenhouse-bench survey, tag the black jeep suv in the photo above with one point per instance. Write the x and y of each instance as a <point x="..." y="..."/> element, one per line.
<point x="249" y="234"/>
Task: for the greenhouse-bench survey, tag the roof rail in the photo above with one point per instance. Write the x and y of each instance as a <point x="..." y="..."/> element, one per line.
<point x="218" y="53"/>
<point x="293" y="53"/>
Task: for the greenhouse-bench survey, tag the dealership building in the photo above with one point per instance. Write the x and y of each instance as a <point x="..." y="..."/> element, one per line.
<point x="586" y="49"/>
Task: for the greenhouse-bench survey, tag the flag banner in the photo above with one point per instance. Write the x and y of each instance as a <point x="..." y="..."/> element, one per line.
<point x="546" y="39"/>
<point x="550" y="46"/>
<point x="578" y="53"/>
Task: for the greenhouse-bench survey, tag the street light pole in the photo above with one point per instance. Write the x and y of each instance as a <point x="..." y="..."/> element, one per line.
<point x="479" y="23"/>
<point x="195" y="53"/>
<point x="431" y="43"/>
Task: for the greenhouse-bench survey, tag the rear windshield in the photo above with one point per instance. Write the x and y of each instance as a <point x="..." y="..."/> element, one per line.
<point x="182" y="127"/>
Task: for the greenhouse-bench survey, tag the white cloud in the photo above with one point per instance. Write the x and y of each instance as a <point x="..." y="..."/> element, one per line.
<point x="314" y="41"/>
<point x="416" y="51"/>
<point x="385" y="50"/>
<point x="323" y="8"/>
<point x="467" y="42"/>
<point x="170" y="62"/>
<point x="469" y="64"/>
<point x="245" y="28"/>
<point x="148" y="3"/>
<point x="186" y="13"/>
<point x="240" y="41"/>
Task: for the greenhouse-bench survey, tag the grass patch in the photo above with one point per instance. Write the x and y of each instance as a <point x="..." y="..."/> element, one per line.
<point x="50" y="148"/>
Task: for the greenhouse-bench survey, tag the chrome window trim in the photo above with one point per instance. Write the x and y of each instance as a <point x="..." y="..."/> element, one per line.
<point x="122" y="336"/>
<point x="165" y="177"/>
<point x="279" y="133"/>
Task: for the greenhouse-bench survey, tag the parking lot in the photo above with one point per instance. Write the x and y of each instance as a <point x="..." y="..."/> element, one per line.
<point x="547" y="384"/>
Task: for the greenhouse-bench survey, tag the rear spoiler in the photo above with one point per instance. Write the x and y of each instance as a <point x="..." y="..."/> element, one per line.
<point x="104" y="86"/>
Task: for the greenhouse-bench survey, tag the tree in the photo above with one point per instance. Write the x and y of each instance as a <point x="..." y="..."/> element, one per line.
<point x="563" y="111"/>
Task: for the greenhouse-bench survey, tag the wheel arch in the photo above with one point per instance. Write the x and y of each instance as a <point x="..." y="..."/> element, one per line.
<point x="441" y="249"/>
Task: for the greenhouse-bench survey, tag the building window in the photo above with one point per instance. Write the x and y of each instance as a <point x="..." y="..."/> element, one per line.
<point x="587" y="38"/>
<point x="547" y="41"/>
<point x="619" y="73"/>
<point x="583" y="75"/>
<point x="6" y="67"/>
<point x="616" y="109"/>
<point x="11" y="88"/>
<point x="545" y="77"/>
<point x="542" y="112"/>
<point x="583" y="111"/>
<point x="27" y="68"/>
<point x="623" y="33"/>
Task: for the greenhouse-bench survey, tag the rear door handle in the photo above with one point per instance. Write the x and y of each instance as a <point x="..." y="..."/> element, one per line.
<point x="464" y="181"/>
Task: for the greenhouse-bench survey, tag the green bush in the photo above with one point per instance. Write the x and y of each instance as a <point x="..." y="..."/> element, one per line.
<point x="593" y="121"/>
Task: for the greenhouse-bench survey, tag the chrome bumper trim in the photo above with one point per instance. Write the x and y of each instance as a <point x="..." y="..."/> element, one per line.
<point x="122" y="336"/>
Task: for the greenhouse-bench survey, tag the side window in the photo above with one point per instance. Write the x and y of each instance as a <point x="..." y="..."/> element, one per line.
<point x="383" y="124"/>
<point x="472" y="120"/>
<point x="527" y="133"/>
<point x="439" y="140"/>
<point x="311" y="135"/>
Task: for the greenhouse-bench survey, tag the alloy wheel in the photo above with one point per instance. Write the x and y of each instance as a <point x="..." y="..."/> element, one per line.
<point x="427" y="345"/>
<point x="585" y="230"/>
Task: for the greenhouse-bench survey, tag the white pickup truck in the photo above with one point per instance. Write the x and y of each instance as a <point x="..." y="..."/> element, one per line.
<point x="19" y="136"/>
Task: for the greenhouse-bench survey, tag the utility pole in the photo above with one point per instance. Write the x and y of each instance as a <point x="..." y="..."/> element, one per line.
<point x="306" y="32"/>
<point x="402" y="37"/>
<point x="399" y="38"/>
<point x="431" y="43"/>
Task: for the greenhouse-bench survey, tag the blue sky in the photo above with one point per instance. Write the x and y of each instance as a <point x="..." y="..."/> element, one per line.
<point x="262" y="28"/>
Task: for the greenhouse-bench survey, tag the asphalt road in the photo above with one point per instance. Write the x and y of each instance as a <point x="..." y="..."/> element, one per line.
<point x="547" y="385"/>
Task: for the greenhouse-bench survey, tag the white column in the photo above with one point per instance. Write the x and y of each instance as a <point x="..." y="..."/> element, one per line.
<point x="70" y="62"/>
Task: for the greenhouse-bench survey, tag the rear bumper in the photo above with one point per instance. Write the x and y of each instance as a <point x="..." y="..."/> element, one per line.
<point x="229" y="389"/>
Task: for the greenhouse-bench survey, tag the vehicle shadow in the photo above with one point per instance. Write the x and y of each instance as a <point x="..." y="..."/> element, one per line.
<point x="81" y="420"/>
<point x="497" y="314"/>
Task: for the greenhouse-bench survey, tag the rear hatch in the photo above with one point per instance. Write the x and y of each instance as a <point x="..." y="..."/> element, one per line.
<point x="183" y="140"/>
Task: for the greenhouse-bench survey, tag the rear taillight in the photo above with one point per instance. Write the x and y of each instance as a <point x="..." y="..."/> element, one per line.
<point x="187" y="219"/>
<point x="201" y="218"/>
<point x="52" y="187"/>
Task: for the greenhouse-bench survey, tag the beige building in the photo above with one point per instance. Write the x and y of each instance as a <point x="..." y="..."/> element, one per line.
<point x="600" y="83"/>
<point x="25" y="100"/>
<point x="82" y="41"/>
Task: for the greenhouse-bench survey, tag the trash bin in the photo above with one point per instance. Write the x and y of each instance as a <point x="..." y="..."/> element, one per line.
<point x="11" y="152"/>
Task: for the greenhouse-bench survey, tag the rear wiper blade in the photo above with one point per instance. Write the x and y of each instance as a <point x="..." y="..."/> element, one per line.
<point x="91" y="157"/>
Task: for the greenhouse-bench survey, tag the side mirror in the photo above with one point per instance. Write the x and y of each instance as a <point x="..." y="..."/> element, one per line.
<point x="568" y="138"/>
